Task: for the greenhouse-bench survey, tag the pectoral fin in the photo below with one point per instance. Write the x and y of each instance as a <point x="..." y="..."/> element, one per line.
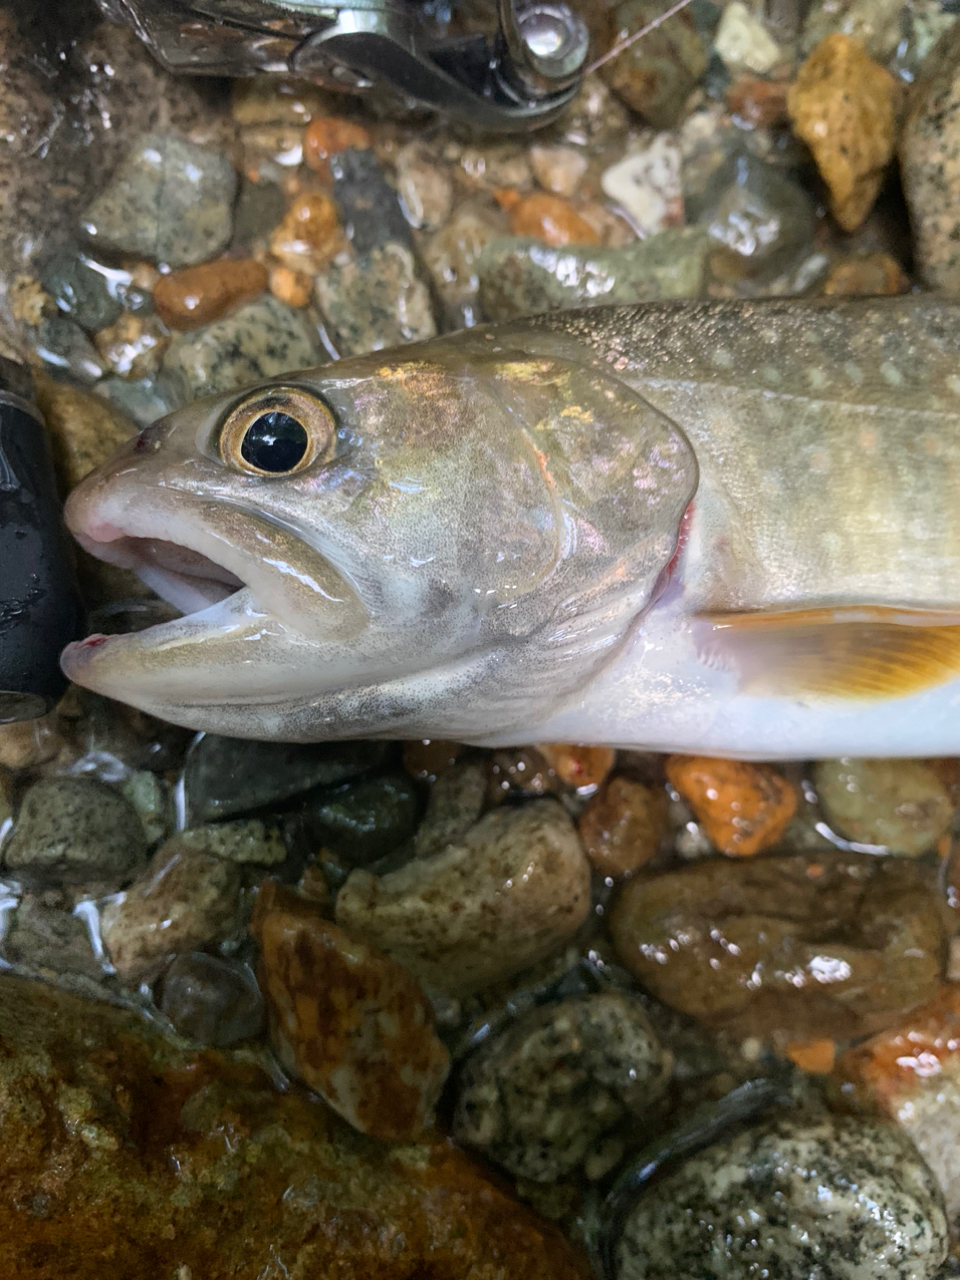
<point x="857" y="654"/>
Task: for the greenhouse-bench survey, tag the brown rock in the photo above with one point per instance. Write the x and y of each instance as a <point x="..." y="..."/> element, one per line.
<point x="758" y="103"/>
<point x="912" y="1074"/>
<point x="85" y="429"/>
<point x="843" y="106"/>
<point x="193" y="297"/>
<point x="28" y="743"/>
<point x="292" y="287"/>
<point x="309" y="236"/>
<point x="866" y="275"/>
<point x="126" y="1154"/>
<point x="655" y="75"/>
<point x="744" y="808"/>
<point x="578" y="766"/>
<point x="426" y="758"/>
<point x="327" y="136"/>
<point x="800" y="947"/>
<point x="622" y="827"/>
<point x="134" y="346"/>
<point x="348" y="1021"/>
<point x="550" y="219"/>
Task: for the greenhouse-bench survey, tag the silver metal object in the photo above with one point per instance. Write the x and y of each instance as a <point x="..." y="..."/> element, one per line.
<point x="521" y="80"/>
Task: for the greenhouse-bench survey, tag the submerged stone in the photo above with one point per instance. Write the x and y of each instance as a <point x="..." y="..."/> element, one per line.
<point x="212" y="1000"/>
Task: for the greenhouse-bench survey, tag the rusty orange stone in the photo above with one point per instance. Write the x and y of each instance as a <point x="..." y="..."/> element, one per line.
<point x="814" y="1056"/>
<point x="309" y="236"/>
<point x="760" y="103"/>
<point x="622" y="827"/>
<point x="866" y="275"/>
<point x="349" y="1021"/>
<point x="327" y="136"/>
<point x="193" y="297"/>
<point x="578" y="766"/>
<point x="744" y="808"/>
<point x="550" y="219"/>
<point x="295" y="288"/>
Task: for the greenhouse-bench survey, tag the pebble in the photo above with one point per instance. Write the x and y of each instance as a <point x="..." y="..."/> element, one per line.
<point x="499" y="166"/>
<point x="866" y="275"/>
<point x="623" y="827"/>
<point x="227" y="776"/>
<point x="25" y="744"/>
<point x="50" y="941"/>
<point x="923" y="25"/>
<point x="744" y="808"/>
<point x="426" y="758"/>
<point x="277" y="99"/>
<point x="902" y="806"/>
<point x="212" y="1000"/>
<point x="369" y="208"/>
<point x="523" y="277"/>
<point x="536" y="1098"/>
<point x="758" y="103"/>
<point x="843" y="106"/>
<point x="760" y="220"/>
<point x="424" y="188"/>
<point x="584" y="768"/>
<point x="549" y="219"/>
<point x="75" y="831"/>
<point x="800" y="947"/>
<point x="292" y="287"/>
<point x="309" y="236"/>
<point x="143" y="400"/>
<point x="796" y="1196"/>
<point x="243" y="840"/>
<point x="878" y="24"/>
<point x="655" y="75"/>
<point x="84" y="429"/>
<point x="452" y="256"/>
<point x="351" y="1023"/>
<point x="134" y="346"/>
<point x="108" y="1122"/>
<point x="376" y="301"/>
<point x="184" y="900"/>
<point x="62" y="345"/>
<point x="513" y="891"/>
<point x="328" y="136"/>
<point x="744" y="43"/>
<point x="83" y="288"/>
<point x="559" y="170"/>
<point x="151" y="798"/>
<point x="595" y="118"/>
<point x="911" y="1073"/>
<point x="259" y="207"/>
<point x="930" y="165"/>
<point x="169" y="200"/>
<point x="194" y="296"/>
<point x="261" y="340"/>
<point x="363" y="820"/>
<point x="647" y="185"/>
<point x="455" y="803"/>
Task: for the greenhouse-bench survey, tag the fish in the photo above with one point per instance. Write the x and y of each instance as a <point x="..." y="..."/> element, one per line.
<point x="729" y="528"/>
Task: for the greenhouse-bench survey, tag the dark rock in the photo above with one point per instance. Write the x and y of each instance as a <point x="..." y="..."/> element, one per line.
<point x="84" y="288"/>
<point x="212" y="1000"/>
<point x="363" y="820"/>
<point x="369" y="208"/>
<point x="62" y="345"/>
<point x="655" y="75"/>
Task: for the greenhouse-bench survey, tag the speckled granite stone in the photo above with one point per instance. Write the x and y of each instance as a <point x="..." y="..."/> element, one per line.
<point x="930" y="165"/>
<point x="376" y="301"/>
<point x="799" y="1198"/>
<point x="261" y="340"/>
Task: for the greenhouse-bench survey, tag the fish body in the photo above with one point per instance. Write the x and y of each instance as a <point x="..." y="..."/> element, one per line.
<point x="726" y="527"/>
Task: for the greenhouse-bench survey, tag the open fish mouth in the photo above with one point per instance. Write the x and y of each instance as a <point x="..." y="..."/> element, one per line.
<point x="183" y="577"/>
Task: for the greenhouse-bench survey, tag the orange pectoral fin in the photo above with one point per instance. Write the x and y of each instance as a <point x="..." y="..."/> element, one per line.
<point x="858" y="654"/>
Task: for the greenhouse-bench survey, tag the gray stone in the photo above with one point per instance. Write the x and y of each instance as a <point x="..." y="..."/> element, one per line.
<point x="453" y="254"/>
<point x="49" y="940"/>
<point x="877" y="23"/>
<point x="151" y="798"/>
<point x="930" y="165"/>
<point x="144" y="399"/>
<point x="455" y="804"/>
<point x="63" y="345"/>
<point x="376" y="301"/>
<point x="227" y="776"/>
<point x="244" y="840"/>
<point x="368" y="205"/>
<point x="363" y="820"/>
<point x="537" y="1097"/>
<point x="836" y="1198"/>
<point x="521" y="277"/>
<point x="261" y="340"/>
<point x="260" y="207"/>
<point x="84" y="288"/>
<point x="902" y="806"/>
<point x="212" y="1000"/>
<point x="169" y="201"/>
<point x="75" y="830"/>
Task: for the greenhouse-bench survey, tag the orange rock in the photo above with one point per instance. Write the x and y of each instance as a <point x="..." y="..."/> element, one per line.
<point x="758" y="102"/>
<point x="843" y="105"/>
<point x="550" y="219"/>
<point x="350" y="1022"/>
<point x="578" y="766"/>
<point x="309" y="236"/>
<point x="744" y="808"/>
<point x="622" y="826"/>
<point x="868" y="275"/>
<point x="326" y="136"/>
<point x="295" y="288"/>
<point x="425" y="758"/>
<point x="815" y="1056"/>
<point x="193" y="297"/>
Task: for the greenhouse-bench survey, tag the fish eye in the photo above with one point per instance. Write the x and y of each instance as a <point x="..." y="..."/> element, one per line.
<point x="277" y="433"/>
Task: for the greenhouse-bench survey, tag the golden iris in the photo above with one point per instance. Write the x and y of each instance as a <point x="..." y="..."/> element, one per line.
<point x="277" y="433"/>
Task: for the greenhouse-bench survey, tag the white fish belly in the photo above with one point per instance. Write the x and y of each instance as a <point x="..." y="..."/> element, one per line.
<point x="658" y="694"/>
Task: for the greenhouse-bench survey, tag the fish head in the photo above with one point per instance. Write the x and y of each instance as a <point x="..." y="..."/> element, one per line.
<point x="439" y="541"/>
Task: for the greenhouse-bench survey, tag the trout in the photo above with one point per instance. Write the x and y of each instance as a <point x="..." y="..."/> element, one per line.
<point x="729" y="528"/>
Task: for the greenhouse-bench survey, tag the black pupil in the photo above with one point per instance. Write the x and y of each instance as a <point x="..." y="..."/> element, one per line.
<point x="274" y="442"/>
